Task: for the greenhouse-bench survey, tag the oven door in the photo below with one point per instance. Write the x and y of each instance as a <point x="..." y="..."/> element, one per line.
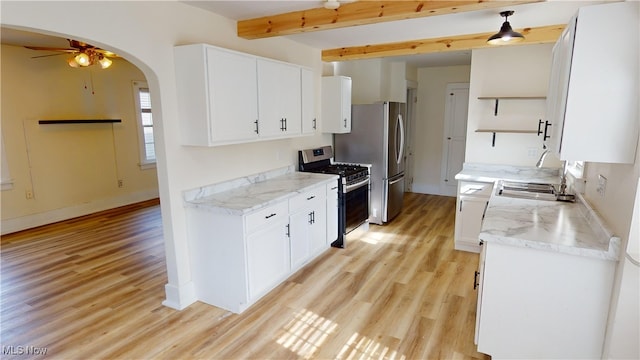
<point x="356" y="205"/>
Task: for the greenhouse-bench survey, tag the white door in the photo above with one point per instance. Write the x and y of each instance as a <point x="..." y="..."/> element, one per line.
<point x="455" y="135"/>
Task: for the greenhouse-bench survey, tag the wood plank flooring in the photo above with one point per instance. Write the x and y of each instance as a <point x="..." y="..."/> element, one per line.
<point x="92" y="287"/>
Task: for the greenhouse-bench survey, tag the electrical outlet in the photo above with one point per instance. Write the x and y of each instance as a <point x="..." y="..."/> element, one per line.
<point x="28" y="194"/>
<point x="120" y="183"/>
<point x="602" y="185"/>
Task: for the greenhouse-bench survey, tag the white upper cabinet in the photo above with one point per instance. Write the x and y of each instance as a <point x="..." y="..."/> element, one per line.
<point x="228" y="97"/>
<point x="217" y="95"/>
<point x="336" y="104"/>
<point x="279" y="98"/>
<point x="592" y="103"/>
<point x="309" y="118"/>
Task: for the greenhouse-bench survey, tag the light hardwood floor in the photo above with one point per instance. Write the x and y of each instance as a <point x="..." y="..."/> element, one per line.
<point x="91" y="288"/>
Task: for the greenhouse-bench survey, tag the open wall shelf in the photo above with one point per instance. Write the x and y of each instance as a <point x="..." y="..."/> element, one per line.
<point x="498" y="98"/>
<point x="508" y="131"/>
<point x="89" y="121"/>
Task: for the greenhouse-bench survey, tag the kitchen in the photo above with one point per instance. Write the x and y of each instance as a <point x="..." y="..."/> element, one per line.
<point x="180" y="160"/>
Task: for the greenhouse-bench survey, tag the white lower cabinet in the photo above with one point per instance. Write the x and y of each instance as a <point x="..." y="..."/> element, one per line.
<point x="473" y="198"/>
<point x="308" y="226"/>
<point x="267" y="258"/>
<point x="538" y="304"/>
<point x="237" y="259"/>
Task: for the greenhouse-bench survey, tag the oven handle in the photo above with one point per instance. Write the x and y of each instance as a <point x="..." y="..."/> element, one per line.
<point x="349" y="188"/>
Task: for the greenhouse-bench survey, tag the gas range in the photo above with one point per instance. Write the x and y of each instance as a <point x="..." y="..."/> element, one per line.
<point x="320" y="160"/>
<point x="353" y="190"/>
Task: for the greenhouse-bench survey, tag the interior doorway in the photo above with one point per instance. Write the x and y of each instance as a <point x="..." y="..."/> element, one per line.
<point x="455" y="135"/>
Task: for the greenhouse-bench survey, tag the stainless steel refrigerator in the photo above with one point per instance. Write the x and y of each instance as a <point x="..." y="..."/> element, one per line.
<point x="377" y="138"/>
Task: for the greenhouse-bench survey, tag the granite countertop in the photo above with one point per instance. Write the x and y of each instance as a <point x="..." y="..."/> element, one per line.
<point x="244" y="195"/>
<point x="490" y="173"/>
<point x="570" y="228"/>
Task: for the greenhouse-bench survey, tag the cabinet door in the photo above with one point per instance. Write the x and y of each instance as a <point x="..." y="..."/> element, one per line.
<point x="267" y="258"/>
<point x="469" y="220"/>
<point x="558" y="87"/>
<point x="309" y="123"/>
<point x="279" y="98"/>
<point x="300" y="237"/>
<point x="318" y="229"/>
<point x="345" y="92"/>
<point x="233" y="96"/>
<point x="332" y="213"/>
<point x="336" y="104"/>
<point x="479" y="286"/>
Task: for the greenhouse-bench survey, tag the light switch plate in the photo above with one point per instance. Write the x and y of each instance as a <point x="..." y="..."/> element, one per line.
<point x="602" y="185"/>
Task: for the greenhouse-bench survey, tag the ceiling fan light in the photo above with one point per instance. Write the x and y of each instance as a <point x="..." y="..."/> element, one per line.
<point x="83" y="59"/>
<point x="105" y="62"/>
<point x="72" y="62"/>
<point x="506" y="35"/>
<point x="331" y="4"/>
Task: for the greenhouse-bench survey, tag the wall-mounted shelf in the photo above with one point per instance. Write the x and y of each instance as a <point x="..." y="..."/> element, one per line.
<point x="87" y="121"/>
<point x="509" y="131"/>
<point x="498" y="98"/>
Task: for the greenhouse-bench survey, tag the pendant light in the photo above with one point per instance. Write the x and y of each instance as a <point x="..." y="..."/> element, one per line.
<point x="506" y="35"/>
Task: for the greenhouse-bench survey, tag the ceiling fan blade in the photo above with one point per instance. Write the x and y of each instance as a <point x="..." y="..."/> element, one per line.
<point x="106" y="53"/>
<point x="41" y="56"/>
<point x="50" y="48"/>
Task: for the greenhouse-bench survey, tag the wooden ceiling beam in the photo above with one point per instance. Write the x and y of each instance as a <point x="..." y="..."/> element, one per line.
<point x="535" y="35"/>
<point x="359" y="13"/>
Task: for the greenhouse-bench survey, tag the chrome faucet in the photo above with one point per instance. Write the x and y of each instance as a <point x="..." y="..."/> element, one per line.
<point x="562" y="188"/>
<point x="544" y="155"/>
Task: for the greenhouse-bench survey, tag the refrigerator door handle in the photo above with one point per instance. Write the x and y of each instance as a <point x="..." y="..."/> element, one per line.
<point x="400" y="151"/>
<point x="396" y="180"/>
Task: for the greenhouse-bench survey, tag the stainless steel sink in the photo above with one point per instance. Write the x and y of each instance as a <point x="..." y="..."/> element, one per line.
<point x="535" y="191"/>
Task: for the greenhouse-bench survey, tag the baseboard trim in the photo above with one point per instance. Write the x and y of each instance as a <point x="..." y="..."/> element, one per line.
<point x="180" y="298"/>
<point x="429" y="189"/>
<point x="70" y="212"/>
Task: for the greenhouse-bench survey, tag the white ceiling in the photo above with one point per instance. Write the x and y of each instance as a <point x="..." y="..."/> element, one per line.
<point x="529" y="15"/>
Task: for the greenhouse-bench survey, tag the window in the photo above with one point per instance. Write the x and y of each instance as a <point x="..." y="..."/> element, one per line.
<point x="145" y="124"/>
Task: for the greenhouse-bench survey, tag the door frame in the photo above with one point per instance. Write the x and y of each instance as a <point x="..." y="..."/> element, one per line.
<point x="445" y="186"/>
<point x="410" y="124"/>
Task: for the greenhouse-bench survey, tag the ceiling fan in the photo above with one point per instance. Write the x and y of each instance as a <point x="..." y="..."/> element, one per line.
<point x="85" y="54"/>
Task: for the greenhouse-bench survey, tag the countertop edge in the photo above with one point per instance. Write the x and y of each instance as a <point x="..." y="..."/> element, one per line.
<point x="199" y="204"/>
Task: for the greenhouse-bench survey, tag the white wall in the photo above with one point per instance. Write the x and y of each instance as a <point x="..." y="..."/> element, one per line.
<point x="148" y="41"/>
<point x="69" y="170"/>
<point x="507" y="71"/>
<point x="429" y="130"/>
<point x="375" y="80"/>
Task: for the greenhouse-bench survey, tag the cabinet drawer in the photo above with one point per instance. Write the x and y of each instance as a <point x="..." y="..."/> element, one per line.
<point x="306" y="199"/>
<point x="475" y="188"/>
<point x="266" y="216"/>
